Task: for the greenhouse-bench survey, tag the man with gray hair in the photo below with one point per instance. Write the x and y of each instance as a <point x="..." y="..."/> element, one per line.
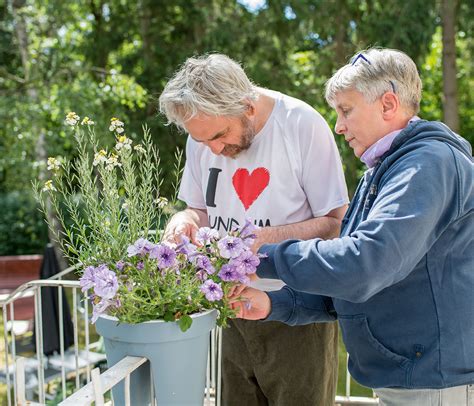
<point x="400" y="279"/>
<point x="256" y="154"/>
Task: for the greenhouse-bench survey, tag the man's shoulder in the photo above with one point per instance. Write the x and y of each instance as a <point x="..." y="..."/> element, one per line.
<point x="289" y="110"/>
<point x="293" y="104"/>
<point x="297" y="118"/>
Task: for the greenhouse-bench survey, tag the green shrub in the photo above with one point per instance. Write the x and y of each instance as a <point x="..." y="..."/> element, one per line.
<point x="22" y="228"/>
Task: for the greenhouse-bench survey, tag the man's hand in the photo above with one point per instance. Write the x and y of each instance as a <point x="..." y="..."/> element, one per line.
<point x="186" y="222"/>
<point x="250" y="303"/>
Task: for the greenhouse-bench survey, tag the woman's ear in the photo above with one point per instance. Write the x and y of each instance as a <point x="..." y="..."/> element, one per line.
<point x="390" y="105"/>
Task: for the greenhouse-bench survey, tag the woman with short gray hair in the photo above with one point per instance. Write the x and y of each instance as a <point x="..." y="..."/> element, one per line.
<point x="400" y="277"/>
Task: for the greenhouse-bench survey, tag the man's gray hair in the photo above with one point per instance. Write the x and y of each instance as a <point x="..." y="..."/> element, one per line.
<point x="376" y="71"/>
<point x="210" y="84"/>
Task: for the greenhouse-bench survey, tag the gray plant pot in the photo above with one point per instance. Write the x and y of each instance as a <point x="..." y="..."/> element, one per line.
<point x="178" y="360"/>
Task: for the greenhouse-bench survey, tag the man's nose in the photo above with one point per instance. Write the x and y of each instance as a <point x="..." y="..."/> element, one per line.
<point x="215" y="146"/>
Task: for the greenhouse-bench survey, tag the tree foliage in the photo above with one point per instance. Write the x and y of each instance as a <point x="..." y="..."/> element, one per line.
<point x="105" y="58"/>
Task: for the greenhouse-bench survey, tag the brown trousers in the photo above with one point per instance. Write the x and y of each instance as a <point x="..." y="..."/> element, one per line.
<point x="272" y="364"/>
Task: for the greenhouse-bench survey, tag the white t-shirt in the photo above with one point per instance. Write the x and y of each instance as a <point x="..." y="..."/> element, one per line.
<point x="291" y="172"/>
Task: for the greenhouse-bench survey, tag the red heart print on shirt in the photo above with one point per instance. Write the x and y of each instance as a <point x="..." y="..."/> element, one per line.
<point x="249" y="186"/>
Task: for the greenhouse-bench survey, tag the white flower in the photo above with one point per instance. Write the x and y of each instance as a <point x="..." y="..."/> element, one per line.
<point x="72" y="119"/>
<point x="139" y="148"/>
<point x="53" y="164"/>
<point x="123" y="142"/>
<point x="100" y="157"/>
<point x="116" y="125"/>
<point x="162" y="202"/>
<point x="87" y="121"/>
<point x="125" y="206"/>
<point x="112" y="162"/>
<point x="48" y="186"/>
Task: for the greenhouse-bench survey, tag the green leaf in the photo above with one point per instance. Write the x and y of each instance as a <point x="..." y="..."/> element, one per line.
<point x="169" y="316"/>
<point x="185" y="322"/>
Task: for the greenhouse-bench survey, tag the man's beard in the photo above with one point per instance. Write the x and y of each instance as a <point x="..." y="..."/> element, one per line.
<point x="248" y="134"/>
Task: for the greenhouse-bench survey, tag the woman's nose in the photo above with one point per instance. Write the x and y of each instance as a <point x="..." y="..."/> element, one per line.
<point x="339" y="128"/>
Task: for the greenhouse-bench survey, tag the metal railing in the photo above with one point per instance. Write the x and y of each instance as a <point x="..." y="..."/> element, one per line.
<point x="72" y="364"/>
<point x="66" y="363"/>
<point x="101" y="383"/>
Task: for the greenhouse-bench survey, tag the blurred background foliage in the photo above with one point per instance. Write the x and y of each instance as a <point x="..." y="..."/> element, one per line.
<point x="111" y="58"/>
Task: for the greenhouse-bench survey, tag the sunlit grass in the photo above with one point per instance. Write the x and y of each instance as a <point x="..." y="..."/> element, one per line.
<point x="356" y="389"/>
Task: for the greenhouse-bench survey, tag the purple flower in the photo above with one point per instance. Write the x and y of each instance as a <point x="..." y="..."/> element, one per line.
<point x="141" y="247"/>
<point x="165" y="255"/>
<point x="203" y="262"/>
<point x="87" y="280"/>
<point x="186" y="247"/>
<point x="246" y="262"/>
<point x="247" y="233"/>
<point x="244" y="279"/>
<point x="120" y="265"/>
<point x="229" y="273"/>
<point x="101" y="307"/>
<point x="248" y="230"/>
<point x="206" y="235"/>
<point x="106" y="283"/>
<point x="201" y="275"/>
<point x="212" y="290"/>
<point x="230" y="247"/>
<point x="140" y="265"/>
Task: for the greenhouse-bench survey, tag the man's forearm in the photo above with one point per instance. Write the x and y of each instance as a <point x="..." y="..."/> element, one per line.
<point x="325" y="227"/>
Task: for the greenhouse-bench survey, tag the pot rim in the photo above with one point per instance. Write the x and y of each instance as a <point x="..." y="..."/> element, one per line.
<point x="194" y="315"/>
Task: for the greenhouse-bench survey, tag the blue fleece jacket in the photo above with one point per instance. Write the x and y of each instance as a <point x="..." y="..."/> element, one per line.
<point x="400" y="279"/>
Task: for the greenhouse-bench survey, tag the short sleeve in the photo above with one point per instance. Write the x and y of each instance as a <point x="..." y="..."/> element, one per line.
<point x="322" y="174"/>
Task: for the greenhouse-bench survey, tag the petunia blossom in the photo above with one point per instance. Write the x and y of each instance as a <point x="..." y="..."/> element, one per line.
<point x="106" y="283"/>
<point x="247" y="262"/>
<point x="229" y="273"/>
<point x="203" y="262"/>
<point x="165" y="255"/>
<point x="186" y="247"/>
<point x="141" y="247"/>
<point x="87" y="280"/>
<point x="206" y="235"/>
<point x="212" y="290"/>
<point x="230" y="247"/>
<point x="248" y="233"/>
<point x="201" y="274"/>
<point x="100" y="308"/>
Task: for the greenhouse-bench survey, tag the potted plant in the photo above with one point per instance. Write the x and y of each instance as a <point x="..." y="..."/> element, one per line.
<point x="149" y="298"/>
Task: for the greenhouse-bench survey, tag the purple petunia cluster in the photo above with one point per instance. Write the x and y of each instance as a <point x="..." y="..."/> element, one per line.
<point x="209" y="262"/>
<point x="104" y="284"/>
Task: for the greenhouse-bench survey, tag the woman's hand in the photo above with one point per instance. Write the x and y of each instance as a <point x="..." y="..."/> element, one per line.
<point x="250" y="303"/>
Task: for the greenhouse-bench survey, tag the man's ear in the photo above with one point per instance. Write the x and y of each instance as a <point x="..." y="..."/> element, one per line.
<point x="250" y="111"/>
<point x="390" y="105"/>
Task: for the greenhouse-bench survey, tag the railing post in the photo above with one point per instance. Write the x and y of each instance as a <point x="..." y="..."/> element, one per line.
<point x="39" y="343"/>
<point x="5" y="329"/>
<point x="348" y="377"/>
<point x="20" y="381"/>
<point x="219" y="366"/>
<point x="97" y="385"/>
<point x="61" y="340"/>
<point x="12" y="332"/>
<point x="76" y="337"/>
